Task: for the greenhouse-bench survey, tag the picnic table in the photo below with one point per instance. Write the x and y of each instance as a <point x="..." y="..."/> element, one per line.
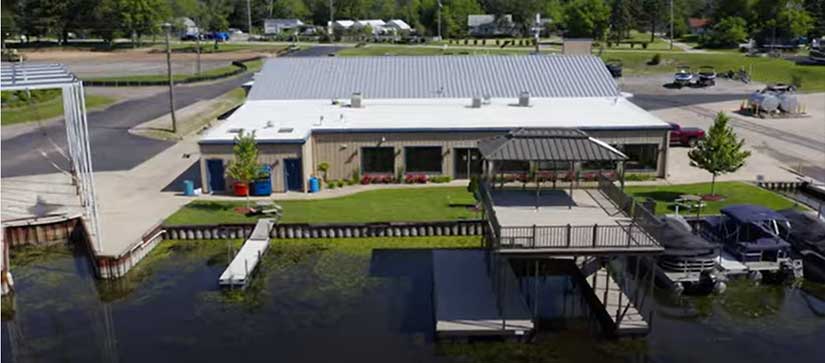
<point x="689" y="202"/>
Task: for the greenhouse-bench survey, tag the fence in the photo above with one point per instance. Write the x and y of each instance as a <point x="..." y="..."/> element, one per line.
<point x="643" y="217"/>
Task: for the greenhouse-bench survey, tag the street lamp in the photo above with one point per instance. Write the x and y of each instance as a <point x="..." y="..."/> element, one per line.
<point x="168" y="28"/>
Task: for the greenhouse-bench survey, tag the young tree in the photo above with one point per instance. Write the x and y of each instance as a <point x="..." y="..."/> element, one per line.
<point x="727" y="33"/>
<point x="720" y="152"/>
<point x="244" y="169"/>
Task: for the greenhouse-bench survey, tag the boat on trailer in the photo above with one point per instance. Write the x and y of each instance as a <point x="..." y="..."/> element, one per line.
<point x="807" y="235"/>
<point x="756" y="237"/>
<point x="689" y="262"/>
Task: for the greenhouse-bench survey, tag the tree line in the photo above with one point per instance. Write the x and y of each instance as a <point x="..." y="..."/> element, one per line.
<point x="732" y="20"/>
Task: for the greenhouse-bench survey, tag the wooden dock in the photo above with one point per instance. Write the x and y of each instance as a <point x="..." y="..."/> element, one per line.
<point x="466" y="303"/>
<point x="240" y="270"/>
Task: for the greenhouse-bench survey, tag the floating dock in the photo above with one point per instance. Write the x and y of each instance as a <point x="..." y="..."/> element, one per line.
<point x="240" y="270"/>
<point x="621" y="310"/>
<point x="466" y="302"/>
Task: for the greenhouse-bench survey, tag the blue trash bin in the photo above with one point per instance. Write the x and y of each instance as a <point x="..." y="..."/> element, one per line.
<point x="262" y="187"/>
<point x="188" y="188"/>
<point x="314" y="185"/>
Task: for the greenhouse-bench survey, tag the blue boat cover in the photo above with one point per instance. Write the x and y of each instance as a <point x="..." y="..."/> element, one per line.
<point x="746" y="213"/>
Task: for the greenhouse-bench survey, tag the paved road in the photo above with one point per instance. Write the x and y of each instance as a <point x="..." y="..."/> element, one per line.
<point x="113" y="147"/>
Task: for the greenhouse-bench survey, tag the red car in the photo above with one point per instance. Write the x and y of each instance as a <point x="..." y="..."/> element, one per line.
<point x="685" y="136"/>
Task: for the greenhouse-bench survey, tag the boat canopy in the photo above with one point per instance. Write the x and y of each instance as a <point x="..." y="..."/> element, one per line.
<point x="746" y="213"/>
<point x="806" y="227"/>
<point x="678" y="240"/>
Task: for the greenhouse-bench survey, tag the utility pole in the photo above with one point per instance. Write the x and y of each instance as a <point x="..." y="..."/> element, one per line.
<point x="671" y="24"/>
<point x="248" y="17"/>
<point x="168" y="28"/>
<point x="439" y="19"/>
<point x="331" y="18"/>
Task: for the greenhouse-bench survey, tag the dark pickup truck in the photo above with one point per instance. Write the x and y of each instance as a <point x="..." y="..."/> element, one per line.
<point x="686" y="136"/>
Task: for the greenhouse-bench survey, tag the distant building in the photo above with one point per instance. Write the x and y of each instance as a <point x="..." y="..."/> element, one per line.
<point x="275" y="26"/>
<point x="377" y="25"/>
<point x="342" y="24"/>
<point x="698" y="25"/>
<point x="186" y="28"/>
<point x="398" y="26"/>
<point x="487" y="25"/>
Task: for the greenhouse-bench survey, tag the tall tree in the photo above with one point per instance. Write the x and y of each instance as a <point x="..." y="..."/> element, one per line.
<point x="142" y="17"/>
<point x="720" y="152"/>
<point x="587" y="18"/>
<point x="620" y="19"/>
<point x="816" y="8"/>
<point x="290" y="9"/>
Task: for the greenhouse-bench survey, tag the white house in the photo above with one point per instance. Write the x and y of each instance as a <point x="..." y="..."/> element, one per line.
<point x="275" y="26"/>
<point x="397" y="25"/>
<point x="377" y="25"/>
<point x="342" y="24"/>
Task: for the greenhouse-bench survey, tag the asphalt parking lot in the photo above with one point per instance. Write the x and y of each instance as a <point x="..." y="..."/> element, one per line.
<point x="777" y="145"/>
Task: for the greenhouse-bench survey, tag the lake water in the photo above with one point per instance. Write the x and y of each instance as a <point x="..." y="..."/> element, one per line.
<point x="325" y="305"/>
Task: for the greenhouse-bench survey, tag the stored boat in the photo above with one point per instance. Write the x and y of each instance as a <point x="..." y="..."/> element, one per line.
<point x="755" y="237"/>
<point x="683" y="77"/>
<point x="707" y="76"/>
<point x="807" y="235"/>
<point x="689" y="262"/>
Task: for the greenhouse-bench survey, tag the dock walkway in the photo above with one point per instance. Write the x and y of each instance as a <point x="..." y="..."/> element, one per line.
<point x="466" y="300"/>
<point x="246" y="260"/>
<point x="616" y="303"/>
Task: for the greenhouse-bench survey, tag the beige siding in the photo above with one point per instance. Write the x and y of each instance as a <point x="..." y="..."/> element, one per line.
<point x="343" y="150"/>
<point x="269" y="154"/>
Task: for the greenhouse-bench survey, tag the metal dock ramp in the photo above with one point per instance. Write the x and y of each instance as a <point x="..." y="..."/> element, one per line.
<point x="466" y="303"/>
<point x="240" y="270"/>
<point x="619" y="307"/>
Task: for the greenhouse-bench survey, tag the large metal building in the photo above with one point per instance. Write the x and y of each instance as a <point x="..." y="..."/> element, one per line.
<point x="423" y="115"/>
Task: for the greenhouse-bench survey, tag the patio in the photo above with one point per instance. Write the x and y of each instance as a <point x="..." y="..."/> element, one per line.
<point x="520" y="208"/>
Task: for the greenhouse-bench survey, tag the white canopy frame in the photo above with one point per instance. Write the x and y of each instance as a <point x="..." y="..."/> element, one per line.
<point x="22" y="76"/>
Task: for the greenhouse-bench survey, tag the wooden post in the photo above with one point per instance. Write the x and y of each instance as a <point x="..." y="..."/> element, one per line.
<point x="569" y="230"/>
<point x="595" y="234"/>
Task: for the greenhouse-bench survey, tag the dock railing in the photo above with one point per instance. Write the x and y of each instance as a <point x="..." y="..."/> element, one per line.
<point x="625" y="236"/>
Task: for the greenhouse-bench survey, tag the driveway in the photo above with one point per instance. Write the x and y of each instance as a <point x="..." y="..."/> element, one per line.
<point x="113" y="147"/>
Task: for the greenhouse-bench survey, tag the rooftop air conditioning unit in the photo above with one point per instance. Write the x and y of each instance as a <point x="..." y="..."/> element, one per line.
<point x="476" y="102"/>
<point x="524" y="99"/>
<point x="355" y="102"/>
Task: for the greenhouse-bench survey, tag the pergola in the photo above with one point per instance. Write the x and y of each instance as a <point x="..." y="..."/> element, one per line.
<point x="28" y="77"/>
<point x="547" y="145"/>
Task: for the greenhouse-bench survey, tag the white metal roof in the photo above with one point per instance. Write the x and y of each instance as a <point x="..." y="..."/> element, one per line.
<point x="498" y="76"/>
<point x="398" y="24"/>
<point x="281" y="121"/>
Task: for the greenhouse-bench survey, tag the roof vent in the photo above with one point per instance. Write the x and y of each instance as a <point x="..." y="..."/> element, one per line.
<point x="476" y="102"/>
<point x="355" y="102"/>
<point x="524" y="99"/>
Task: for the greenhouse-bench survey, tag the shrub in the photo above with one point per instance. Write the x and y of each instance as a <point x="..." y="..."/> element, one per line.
<point x="796" y="80"/>
<point x="342" y="183"/>
<point x="356" y="176"/>
<point x="728" y="32"/>
<point x="439" y="179"/>
<point x="639" y="177"/>
<point x="657" y="58"/>
<point x="332" y="185"/>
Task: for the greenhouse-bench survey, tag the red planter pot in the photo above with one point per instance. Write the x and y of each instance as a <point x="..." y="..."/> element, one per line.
<point x="241" y="189"/>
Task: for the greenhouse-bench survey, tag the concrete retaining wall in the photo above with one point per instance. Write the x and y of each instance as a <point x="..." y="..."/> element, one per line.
<point x="40" y="232"/>
<point x="336" y="230"/>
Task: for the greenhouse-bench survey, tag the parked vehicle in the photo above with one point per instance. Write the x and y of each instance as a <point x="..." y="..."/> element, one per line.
<point x="707" y="76"/>
<point x="614" y="66"/>
<point x="807" y="235"/>
<point x="689" y="262"/>
<point x="685" y="136"/>
<point x="776" y="98"/>
<point x="756" y="237"/>
<point x="683" y="77"/>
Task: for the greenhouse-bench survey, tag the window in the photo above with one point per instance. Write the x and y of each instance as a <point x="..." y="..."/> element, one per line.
<point x="553" y="165"/>
<point x="423" y="159"/>
<point x="378" y="160"/>
<point x="517" y="166"/>
<point x="641" y="157"/>
<point x="599" y="165"/>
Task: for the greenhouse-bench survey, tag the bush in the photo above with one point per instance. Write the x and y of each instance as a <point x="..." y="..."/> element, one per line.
<point x="657" y="58"/>
<point x="639" y="177"/>
<point x="796" y="80"/>
<point x="415" y="178"/>
<point x="440" y="179"/>
<point x="332" y="185"/>
<point x="356" y="176"/>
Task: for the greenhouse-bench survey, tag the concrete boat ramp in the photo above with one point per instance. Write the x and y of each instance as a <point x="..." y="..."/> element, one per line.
<point x="466" y="303"/>
<point x="239" y="271"/>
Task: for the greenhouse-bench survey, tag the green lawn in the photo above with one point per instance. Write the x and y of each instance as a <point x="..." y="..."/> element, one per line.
<point x="383" y="205"/>
<point x="252" y="66"/>
<point x="378" y="50"/>
<point x="734" y="193"/>
<point x="765" y="69"/>
<point x="47" y="109"/>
